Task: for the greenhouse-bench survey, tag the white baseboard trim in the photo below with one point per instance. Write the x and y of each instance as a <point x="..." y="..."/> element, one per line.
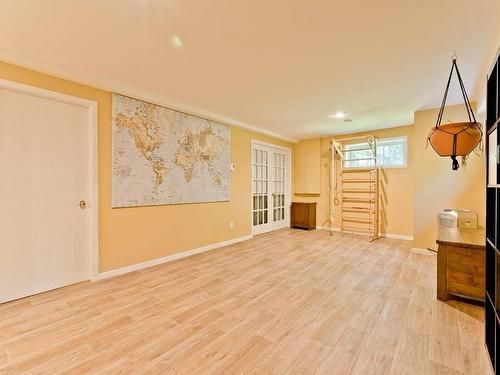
<point x="170" y="258"/>
<point x="396" y="236"/>
<point x="386" y="235"/>
<point x="327" y="228"/>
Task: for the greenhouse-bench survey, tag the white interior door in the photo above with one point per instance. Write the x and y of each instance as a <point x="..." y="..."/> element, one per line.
<point x="270" y="188"/>
<point x="44" y="164"/>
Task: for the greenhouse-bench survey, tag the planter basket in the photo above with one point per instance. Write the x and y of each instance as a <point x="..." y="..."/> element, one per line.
<point x="459" y="138"/>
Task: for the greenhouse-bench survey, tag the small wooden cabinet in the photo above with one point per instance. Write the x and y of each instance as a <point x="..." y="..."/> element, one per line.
<point x="303" y="215"/>
<point x="460" y="263"/>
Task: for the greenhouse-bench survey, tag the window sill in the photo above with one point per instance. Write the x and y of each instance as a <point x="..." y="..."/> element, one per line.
<point x="380" y="167"/>
<point x="394" y="166"/>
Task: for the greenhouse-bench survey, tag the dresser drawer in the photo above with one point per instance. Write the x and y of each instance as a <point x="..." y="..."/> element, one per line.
<point x="465" y="273"/>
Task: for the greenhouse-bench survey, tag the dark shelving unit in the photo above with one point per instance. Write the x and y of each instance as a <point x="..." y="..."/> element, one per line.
<point x="492" y="300"/>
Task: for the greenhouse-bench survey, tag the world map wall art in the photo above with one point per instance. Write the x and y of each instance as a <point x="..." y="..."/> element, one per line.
<point x="162" y="156"/>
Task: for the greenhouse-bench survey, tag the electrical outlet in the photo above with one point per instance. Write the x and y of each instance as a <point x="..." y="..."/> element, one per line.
<point x="231" y="224"/>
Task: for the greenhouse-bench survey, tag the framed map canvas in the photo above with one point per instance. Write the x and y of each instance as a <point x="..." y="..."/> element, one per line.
<point x="162" y="156"/>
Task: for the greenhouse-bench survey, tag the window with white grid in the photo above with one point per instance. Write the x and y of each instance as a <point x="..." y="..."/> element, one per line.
<point x="391" y="153"/>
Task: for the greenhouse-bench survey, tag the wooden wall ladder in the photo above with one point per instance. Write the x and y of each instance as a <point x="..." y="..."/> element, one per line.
<point x="357" y="184"/>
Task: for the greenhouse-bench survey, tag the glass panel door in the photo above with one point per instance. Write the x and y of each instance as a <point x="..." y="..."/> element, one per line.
<point x="270" y="188"/>
<point x="260" y="188"/>
<point x="278" y="186"/>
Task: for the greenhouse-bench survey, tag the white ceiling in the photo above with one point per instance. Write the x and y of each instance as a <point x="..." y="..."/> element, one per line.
<point x="280" y="65"/>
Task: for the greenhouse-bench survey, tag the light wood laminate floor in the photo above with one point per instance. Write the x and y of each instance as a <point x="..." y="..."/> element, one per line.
<point x="289" y="302"/>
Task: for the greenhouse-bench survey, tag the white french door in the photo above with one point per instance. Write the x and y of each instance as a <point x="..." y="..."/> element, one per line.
<point x="45" y="195"/>
<point x="270" y="187"/>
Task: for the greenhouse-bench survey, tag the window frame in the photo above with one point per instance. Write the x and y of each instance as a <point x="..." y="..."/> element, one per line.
<point x="381" y="141"/>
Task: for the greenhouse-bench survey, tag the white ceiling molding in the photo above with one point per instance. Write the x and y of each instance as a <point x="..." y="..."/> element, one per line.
<point x="379" y="62"/>
<point x="36" y="64"/>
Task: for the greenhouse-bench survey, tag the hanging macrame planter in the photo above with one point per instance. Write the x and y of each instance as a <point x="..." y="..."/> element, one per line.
<point x="459" y="138"/>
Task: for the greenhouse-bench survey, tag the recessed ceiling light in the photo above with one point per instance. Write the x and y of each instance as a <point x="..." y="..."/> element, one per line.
<point x="176" y="42"/>
<point x="338" y="114"/>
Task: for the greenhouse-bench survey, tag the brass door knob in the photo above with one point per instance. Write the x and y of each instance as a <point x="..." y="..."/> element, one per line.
<point x="82" y="204"/>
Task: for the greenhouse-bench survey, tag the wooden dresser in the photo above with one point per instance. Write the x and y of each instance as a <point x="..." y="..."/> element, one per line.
<point x="460" y="263"/>
<point x="303" y="215"/>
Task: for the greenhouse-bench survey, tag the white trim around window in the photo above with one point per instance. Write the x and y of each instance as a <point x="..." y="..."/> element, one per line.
<point x="381" y="142"/>
<point x="395" y="140"/>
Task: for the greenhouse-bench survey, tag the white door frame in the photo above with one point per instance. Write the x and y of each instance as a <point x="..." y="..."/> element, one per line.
<point x="93" y="205"/>
<point x="288" y="170"/>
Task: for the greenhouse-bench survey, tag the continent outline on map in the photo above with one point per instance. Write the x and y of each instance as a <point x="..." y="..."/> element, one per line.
<point x="163" y="156"/>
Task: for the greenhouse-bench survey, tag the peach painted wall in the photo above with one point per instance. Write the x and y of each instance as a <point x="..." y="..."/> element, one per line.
<point x="396" y="188"/>
<point x="410" y="198"/>
<point x="132" y="235"/>
<point x="437" y="186"/>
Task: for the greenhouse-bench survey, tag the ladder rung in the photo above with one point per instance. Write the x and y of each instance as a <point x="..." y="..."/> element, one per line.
<point x="356" y="180"/>
<point x="358" y="170"/>
<point x="371" y="158"/>
<point x="352" y="199"/>
<point x="359" y="149"/>
<point x="361" y="210"/>
<point x="357" y="228"/>
<point x="358" y="219"/>
<point x="358" y="191"/>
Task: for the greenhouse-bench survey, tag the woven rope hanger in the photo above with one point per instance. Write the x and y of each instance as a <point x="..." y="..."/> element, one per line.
<point x="464" y="136"/>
